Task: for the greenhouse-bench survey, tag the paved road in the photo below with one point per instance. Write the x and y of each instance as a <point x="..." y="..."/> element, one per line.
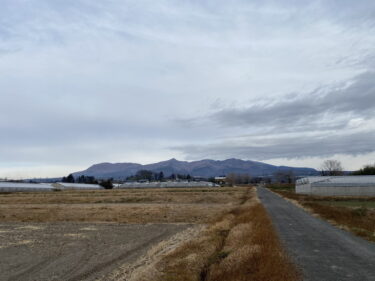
<point x="324" y="252"/>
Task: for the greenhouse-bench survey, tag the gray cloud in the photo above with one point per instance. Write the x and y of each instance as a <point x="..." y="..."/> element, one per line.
<point x="319" y="124"/>
<point x="285" y="147"/>
<point x="84" y="81"/>
<point x="356" y="100"/>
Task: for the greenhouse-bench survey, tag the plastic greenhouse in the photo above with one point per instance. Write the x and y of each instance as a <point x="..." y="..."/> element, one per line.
<point x="337" y="186"/>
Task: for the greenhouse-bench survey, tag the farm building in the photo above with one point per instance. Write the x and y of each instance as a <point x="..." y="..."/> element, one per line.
<point x="220" y="180"/>
<point x="337" y="186"/>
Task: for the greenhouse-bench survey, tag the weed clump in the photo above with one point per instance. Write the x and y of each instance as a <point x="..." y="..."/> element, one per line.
<point x="360" y="212"/>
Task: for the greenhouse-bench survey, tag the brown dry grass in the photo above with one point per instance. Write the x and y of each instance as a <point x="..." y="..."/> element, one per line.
<point x="164" y="195"/>
<point x="119" y="213"/>
<point x="239" y="245"/>
<point x="360" y="221"/>
<point x="194" y="205"/>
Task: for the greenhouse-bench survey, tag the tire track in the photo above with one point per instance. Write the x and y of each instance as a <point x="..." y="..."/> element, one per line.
<point x="110" y="263"/>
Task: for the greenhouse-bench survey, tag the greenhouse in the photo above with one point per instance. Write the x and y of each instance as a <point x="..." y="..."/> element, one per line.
<point x="166" y="184"/>
<point x="68" y="185"/>
<point x="337" y="186"/>
<point x="24" y="187"/>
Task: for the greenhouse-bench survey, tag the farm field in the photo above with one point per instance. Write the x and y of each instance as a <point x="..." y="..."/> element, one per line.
<point x="139" y="234"/>
<point x="122" y="206"/>
<point x="74" y="251"/>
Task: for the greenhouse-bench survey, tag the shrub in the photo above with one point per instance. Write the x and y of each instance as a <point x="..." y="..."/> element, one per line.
<point x="107" y="184"/>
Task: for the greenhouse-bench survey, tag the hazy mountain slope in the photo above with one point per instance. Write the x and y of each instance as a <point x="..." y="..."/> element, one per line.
<point x="204" y="168"/>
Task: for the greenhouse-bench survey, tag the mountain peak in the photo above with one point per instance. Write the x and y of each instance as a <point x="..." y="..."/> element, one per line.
<point x="203" y="168"/>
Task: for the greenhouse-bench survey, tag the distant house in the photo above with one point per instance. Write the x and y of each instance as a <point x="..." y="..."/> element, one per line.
<point x="199" y="178"/>
<point x="337" y="186"/>
<point x="220" y="180"/>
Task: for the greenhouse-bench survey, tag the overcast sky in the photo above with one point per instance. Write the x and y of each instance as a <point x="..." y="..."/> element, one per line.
<point x="285" y="82"/>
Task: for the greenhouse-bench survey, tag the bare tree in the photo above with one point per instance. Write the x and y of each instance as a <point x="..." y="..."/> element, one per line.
<point x="244" y="178"/>
<point x="332" y="168"/>
<point x="231" y="179"/>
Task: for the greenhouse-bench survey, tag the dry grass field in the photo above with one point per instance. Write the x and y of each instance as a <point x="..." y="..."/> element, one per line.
<point x="224" y="233"/>
<point x="170" y="205"/>
<point x="356" y="214"/>
<point x="240" y="244"/>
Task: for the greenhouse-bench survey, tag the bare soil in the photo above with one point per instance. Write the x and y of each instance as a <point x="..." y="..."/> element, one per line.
<point x="74" y="251"/>
<point x="100" y="234"/>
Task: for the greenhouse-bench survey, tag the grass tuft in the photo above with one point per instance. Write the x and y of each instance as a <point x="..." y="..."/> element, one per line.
<point x="239" y="245"/>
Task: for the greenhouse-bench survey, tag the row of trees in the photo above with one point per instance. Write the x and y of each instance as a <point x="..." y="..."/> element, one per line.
<point x="107" y="184"/>
<point x="152" y="176"/>
<point x="284" y="176"/>
<point x="233" y="178"/>
<point x="366" y="170"/>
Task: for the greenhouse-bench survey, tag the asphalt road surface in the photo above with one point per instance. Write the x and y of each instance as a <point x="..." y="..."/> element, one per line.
<point x="324" y="252"/>
<point x="74" y="251"/>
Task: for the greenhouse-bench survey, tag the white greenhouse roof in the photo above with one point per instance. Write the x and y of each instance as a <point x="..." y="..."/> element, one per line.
<point x="20" y="186"/>
<point x="339" y="181"/>
<point x="79" y="185"/>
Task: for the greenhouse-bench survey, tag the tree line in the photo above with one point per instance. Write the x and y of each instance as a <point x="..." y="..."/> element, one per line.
<point x="157" y="176"/>
<point x="107" y="183"/>
<point x="366" y="170"/>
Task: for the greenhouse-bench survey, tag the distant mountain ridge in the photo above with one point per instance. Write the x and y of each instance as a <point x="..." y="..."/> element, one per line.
<point x="203" y="168"/>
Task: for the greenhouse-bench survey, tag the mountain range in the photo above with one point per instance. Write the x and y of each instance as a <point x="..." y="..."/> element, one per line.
<point x="203" y="168"/>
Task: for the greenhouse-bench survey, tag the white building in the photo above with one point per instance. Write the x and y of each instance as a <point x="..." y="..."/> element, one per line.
<point x="337" y="186"/>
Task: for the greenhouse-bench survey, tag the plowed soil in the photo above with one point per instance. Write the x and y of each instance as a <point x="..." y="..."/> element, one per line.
<point x="74" y="251"/>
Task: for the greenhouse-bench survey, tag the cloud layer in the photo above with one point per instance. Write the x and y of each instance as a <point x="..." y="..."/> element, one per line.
<point x="356" y="100"/>
<point x="322" y="123"/>
<point x="84" y="82"/>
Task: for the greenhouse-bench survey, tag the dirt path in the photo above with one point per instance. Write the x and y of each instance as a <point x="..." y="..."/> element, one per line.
<point x="74" y="251"/>
<point x="323" y="251"/>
